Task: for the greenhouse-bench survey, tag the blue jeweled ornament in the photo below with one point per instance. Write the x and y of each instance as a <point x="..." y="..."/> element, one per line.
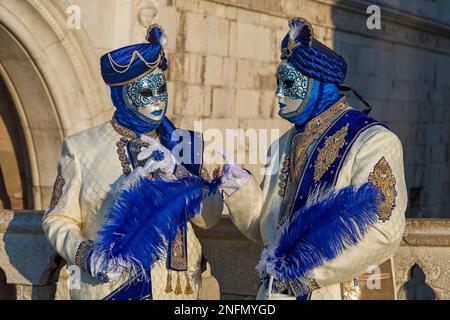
<point x="158" y="155"/>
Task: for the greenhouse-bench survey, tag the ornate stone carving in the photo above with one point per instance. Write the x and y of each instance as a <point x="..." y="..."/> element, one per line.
<point x="147" y="12"/>
<point x="427" y="244"/>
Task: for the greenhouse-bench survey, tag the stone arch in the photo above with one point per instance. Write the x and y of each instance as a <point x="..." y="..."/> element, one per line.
<point x="15" y="174"/>
<point x="52" y="76"/>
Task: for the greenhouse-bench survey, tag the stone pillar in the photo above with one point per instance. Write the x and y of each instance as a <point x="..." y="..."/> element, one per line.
<point x="29" y="264"/>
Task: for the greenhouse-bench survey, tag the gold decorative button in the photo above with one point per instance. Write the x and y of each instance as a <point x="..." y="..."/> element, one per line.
<point x="127" y="170"/>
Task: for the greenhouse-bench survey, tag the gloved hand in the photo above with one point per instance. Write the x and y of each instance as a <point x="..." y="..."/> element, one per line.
<point x="159" y="159"/>
<point x="97" y="265"/>
<point x="160" y="162"/>
<point x="105" y="271"/>
<point x="234" y="176"/>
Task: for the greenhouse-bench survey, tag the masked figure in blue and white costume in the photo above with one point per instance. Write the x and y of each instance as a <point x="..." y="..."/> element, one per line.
<point x="125" y="237"/>
<point x="331" y="206"/>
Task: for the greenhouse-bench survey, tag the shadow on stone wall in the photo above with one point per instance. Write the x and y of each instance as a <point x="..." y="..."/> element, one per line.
<point x="7" y="291"/>
<point x="26" y="258"/>
<point x="400" y="71"/>
<point x="416" y="287"/>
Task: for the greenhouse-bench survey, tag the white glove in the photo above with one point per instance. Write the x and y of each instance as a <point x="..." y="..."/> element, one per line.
<point x="233" y="176"/>
<point x="163" y="169"/>
<point x="96" y="264"/>
<point x="159" y="159"/>
<point x="108" y="273"/>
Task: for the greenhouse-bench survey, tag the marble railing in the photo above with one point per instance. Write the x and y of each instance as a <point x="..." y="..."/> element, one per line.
<point x="30" y="269"/>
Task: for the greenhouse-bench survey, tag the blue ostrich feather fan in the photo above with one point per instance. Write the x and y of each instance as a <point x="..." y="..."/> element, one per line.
<point x="330" y="222"/>
<point x="146" y="217"/>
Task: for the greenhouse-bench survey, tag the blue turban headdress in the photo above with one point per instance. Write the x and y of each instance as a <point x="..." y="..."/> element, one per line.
<point x="128" y="64"/>
<point x="314" y="59"/>
<point x="311" y="57"/>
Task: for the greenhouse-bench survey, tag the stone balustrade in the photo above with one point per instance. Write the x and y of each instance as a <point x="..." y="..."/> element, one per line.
<point x="30" y="269"/>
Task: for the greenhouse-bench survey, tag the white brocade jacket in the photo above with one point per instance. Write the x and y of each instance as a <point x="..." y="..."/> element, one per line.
<point x="376" y="155"/>
<point x="88" y="172"/>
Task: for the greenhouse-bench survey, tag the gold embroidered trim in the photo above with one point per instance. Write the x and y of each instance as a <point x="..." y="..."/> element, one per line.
<point x="125" y="163"/>
<point x="178" y="257"/>
<point x="300" y="144"/>
<point x="306" y="283"/>
<point x="127" y="135"/>
<point x="124" y="132"/>
<point x="313" y="130"/>
<point x="57" y="191"/>
<point x="178" y="290"/>
<point x="283" y="176"/>
<point x="328" y="154"/>
<point x="217" y="173"/>
<point x="169" y="282"/>
<point x="79" y="252"/>
<point x="204" y="173"/>
<point x="188" y="288"/>
<point x="383" y="178"/>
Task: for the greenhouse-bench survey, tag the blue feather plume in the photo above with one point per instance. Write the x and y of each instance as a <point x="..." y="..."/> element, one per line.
<point x="301" y="31"/>
<point x="330" y="222"/>
<point x="145" y="218"/>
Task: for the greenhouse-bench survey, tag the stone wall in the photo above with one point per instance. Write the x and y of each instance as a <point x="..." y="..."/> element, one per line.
<point x="223" y="55"/>
<point x="226" y="53"/>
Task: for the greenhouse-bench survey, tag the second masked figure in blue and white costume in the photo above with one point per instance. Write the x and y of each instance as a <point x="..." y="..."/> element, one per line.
<point x="331" y="206"/>
<point x="124" y="198"/>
